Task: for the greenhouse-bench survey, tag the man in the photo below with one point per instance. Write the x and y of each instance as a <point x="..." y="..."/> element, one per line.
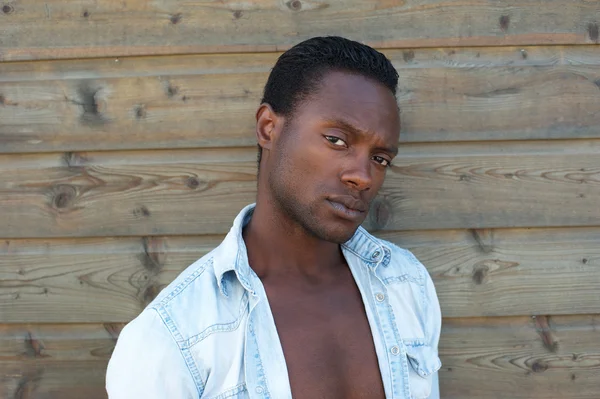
<point x="299" y="300"/>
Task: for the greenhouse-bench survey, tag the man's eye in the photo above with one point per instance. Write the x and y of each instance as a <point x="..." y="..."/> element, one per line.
<point x="336" y="141"/>
<point x="381" y="160"/>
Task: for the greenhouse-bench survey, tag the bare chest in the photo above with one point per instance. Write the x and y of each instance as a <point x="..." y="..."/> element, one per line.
<point x="327" y="344"/>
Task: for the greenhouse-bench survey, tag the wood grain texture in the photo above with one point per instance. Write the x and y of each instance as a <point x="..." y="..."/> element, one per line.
<point x="476" y="273"/>
<point x="125" y="193"/>
<point x="52" y="380"/>
<point x="55" y="360"/>
<point x="37" y="29"/>
<point x="463" y="94"/>
<point x="501" y="272"/>
<point x="90" y="280"/>
<point x="517" y="357"/>
<point x="479" y="185"/>
<point x="433" y="186"/>
<point x="545" y="357"/>
<point x="157" y="103"/>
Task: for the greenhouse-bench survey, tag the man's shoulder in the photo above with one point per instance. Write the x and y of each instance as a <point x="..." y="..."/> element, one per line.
<point x="186" y="282"/>
<point x="194" y="303"/>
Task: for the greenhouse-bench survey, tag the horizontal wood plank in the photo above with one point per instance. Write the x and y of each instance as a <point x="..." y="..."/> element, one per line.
<point x="55" y="360"/>
<point x="502" y="272"/>
<point x="90" y="280"/>
<point x="56" y="29"/>
<point x="517" y="357"/>
<point x="506" y="93"/>
<point x="543" y="357"/>
<point x="120" y="194"/>
<point x="487" y="272"/>
<point x="509" y="184"/>
<point x="52" y="380"/>
<point x="478" y="185"/>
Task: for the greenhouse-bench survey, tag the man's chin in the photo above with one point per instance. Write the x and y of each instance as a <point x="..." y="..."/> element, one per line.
<point x="337" y="235"/>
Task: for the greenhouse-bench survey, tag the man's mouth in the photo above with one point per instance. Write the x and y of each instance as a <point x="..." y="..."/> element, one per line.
<point x="348" y="207"/>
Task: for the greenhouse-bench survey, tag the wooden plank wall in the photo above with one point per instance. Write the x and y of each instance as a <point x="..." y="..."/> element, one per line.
<point x="126" y="148"/>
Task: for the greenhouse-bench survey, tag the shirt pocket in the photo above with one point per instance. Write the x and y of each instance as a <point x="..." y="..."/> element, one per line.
<point x="423" y="363"/>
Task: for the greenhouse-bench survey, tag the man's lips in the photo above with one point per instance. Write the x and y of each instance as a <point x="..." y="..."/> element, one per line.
<point x="348" y="207"/>
<point x="349" y="202"/>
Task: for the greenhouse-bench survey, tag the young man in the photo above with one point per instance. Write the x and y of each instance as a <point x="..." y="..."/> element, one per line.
<point x="299" y="300"/>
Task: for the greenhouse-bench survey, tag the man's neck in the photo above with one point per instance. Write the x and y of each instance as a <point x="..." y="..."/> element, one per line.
<point x="279" y="248"/>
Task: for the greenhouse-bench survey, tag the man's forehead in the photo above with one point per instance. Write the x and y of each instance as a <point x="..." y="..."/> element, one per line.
<point x="334" y="83"/>
<point x="362" y="103"/>
<point x="342" y="91"/>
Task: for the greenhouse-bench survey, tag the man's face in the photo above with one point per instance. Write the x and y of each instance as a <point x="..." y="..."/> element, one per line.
<point x="330" y="160"/>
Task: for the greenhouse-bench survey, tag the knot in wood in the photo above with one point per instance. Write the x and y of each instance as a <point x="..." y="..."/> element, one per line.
<point x="175" y="19"/>
<point x="192" y="182"/>
<point x="92" y="105"/>
<point x="150" y="293"/>
<point x="155" y="254"/>
<point x="539" y="367"/>
<point x="74" y="160"/>
<point x="140" y="112"/>
<point x="484" y="239"/>
<point x="524" y="53"/>
<point x="7" y="9"/>
<point x="28" y="383"/>
<point x="141" y="211"/>
<point x="593" y="31"/>
<point x="295" y="5"/>
<point x="504" y="22"/>
<point x="172" y="91"/>
<point x="63" y="196"/>
<point x="381" y="213"/>
<point x="480" y="272"/>
<point x="114" y="329"/>
<point x="33" y="346"/>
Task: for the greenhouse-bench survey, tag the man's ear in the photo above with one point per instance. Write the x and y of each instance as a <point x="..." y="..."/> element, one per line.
<point x="268" y="126"/>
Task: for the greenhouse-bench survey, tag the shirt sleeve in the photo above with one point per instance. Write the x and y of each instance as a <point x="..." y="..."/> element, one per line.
<point x="435" y="321"/>
<point x="434" y="315"/>
<point x="435" y="387"/>
<point x="147" y="363"/>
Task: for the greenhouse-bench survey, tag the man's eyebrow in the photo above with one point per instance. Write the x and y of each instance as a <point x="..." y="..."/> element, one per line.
<point x="357" y="132"/>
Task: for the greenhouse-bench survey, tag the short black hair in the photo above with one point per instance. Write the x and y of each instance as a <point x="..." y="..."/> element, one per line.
<point x="299" y="71"/>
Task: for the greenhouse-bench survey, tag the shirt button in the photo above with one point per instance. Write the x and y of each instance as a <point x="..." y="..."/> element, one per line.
<point x="395" y="350"/>
<point x="259" y="390"/>
<point x="380" y="297"/>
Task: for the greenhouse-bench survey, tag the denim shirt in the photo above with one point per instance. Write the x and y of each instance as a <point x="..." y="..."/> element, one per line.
<point x="210" y="334"/>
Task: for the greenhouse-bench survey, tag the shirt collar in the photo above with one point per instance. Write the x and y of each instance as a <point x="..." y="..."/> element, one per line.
<point x="366" y="247"/>
<point x="232" y="256"/>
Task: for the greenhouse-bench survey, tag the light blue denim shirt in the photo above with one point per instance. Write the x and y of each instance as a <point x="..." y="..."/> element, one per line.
<point x="210" y="334"/>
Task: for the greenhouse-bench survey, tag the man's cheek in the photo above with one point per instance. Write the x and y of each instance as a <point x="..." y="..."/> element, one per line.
<point x="311" y="161"/>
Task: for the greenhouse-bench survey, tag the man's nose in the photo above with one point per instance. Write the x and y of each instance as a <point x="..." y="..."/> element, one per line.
<point x="357" y="174"/>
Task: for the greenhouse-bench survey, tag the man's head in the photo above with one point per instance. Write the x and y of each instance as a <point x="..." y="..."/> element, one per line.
<point x="327" y="130"/>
